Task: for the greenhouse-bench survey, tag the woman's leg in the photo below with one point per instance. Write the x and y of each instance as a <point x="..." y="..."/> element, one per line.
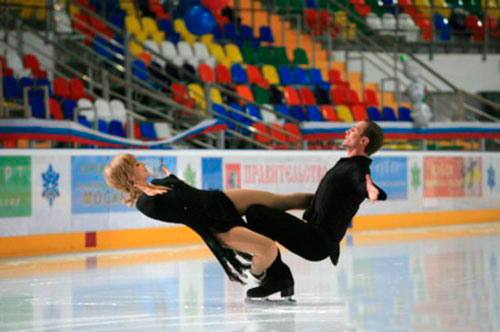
<point x="243" y="198"/>
<point x="243" y="239"/>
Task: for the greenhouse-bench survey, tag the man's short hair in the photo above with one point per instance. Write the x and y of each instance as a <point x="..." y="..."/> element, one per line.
<point x="376" y="136"/>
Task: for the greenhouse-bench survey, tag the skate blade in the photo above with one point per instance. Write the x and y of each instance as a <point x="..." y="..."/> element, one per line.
<point x="287" y="300"/>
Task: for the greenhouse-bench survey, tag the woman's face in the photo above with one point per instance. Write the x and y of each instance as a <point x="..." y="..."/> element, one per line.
<point x="140" y="172"/>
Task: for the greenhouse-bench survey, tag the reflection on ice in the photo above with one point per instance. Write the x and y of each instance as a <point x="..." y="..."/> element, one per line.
<point x="420" y="285"/>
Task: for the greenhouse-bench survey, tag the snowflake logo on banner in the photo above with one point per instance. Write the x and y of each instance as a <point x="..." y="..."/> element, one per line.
<point x="50" y="184"/>
<point x="190" y="175"/>
<point x="491" y="177"/>
<point x="415" y="176"/>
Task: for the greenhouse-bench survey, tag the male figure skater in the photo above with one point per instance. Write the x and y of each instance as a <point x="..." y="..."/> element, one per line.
<point x="343" y="188"/>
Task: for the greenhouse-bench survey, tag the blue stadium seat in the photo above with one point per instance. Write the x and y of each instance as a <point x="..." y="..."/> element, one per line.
<point x="103" y="126"/>
<point x="221" y="110"/>
<point x="265" y="34"/>
<point x="282" y="109"/>
<point x="285" y="75"/>
<point x="68" y="107"/>
<point x="148" y="130"/>
<point x="44" y="82"/>
<point x="388" y="114"/>
<point x="25" y="82"/>
<point x="442" y="26"/>
<point x="246" y="35"/>
<point x="315" y="76"/>
<point x="116" y="128"/>
<point x="373" y="114"/>
<point x="11" y="89"/>
<point x="240" y="118"/>
<point x="102" y="46"/>
<point x="239" y="75"/>
<point x="404" y="114"/>
<point x="37" y="104"/>
<point x="298" y="113"/>
<point x="83" y="121"/>
<point x="139" y="70"/>
<point x="254" y="111"/>
<point x="311" y="4"/>
<point x="300" y="76"/>
<point x="229" y="31"/>
<point x="314" y="114"/>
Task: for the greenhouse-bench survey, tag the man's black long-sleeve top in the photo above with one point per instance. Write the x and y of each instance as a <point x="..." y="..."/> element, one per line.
<point x="337" y="199"/>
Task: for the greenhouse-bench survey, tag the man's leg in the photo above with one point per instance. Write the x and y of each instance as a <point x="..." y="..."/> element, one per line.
<point x="293" y="233"/>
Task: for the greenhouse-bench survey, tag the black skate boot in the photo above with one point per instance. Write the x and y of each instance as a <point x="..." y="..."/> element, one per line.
<point x="278" y="278"/>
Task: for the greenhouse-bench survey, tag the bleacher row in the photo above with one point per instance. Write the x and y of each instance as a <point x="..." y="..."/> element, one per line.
<point x="258" y="72"/>
<point x="418" y="20"/>
<point x="260" y="67"/>
<point x="67" y="99"/>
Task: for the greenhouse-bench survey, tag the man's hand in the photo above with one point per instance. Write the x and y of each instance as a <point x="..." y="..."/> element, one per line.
<point x="152" y="190"/>
<point x="371" y="189"/>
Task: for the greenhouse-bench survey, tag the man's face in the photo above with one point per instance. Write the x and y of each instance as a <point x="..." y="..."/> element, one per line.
<point x="353" y="137"/>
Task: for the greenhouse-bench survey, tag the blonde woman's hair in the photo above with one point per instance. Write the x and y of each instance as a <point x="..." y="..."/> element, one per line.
<point x="119" y="174"/>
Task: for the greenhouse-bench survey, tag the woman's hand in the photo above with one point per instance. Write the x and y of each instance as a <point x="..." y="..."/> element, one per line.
<point x="151" y="189"/>
<point x="371" y="189"/>
<point x="166" y="170"/>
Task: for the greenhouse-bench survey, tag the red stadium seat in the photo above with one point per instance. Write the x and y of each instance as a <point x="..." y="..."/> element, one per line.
<point x="291" y="96"/>
<point x="279" y="136"/>
<point x="254" y="76"/>
<point x="371" y="98"/>
<point x="335" y="78"/>
<point x="307" y="96"/>
<point x="61" y="88"/>
<point x="206" y="73"/>
<point x="329" y="113"/>
<point x="222" y="74"/>
<point x="359" y="113"/>
<point x="296" y="136"/>
<point x="181" y="95"/>
<point x="76" y="88"/>
<point x="339" y="95"/>
<point x="244" y="92"/>
<point x="55" y="109"/>
<point x="263" y="135"/>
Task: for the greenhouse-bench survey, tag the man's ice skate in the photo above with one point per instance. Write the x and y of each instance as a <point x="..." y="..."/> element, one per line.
<point x="277" y="281"/>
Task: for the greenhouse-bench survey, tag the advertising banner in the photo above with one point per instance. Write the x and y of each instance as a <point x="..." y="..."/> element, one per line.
<point x="390" y="173"/>
<point x="15" y="181"/>
<point x="90" y="192"/>
<point x="443" y="177"/>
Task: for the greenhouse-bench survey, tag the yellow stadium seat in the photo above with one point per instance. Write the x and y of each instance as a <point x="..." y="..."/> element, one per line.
<point x="196" y="92"/>
<point x="27" y="10"/>
<point x="149" y="25"/>
<point x="158" y="37"/>
<point x="424" y="7"/>
<point x="233" y="53"/>
<point x="344" y="113"/>
<point x="135" y="48"/>
<point x="41" y="14"/>
<point x="132" y="24"/>
<point x="73" y="10"/>
<point x="141" y="36"/>
<point x="340" y="18"/>
<point x="207" y="39"/>
<point x="180" y="26"/>
<point x="216" y="96"/>
<point x="189" y="38"/>
<point x="270" y="74"/>
<point x="217" y="52"/>
<point x="441" y="7"/>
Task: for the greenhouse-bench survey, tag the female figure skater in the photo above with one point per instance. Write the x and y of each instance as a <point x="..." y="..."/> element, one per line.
<point x="215" y="215"/>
